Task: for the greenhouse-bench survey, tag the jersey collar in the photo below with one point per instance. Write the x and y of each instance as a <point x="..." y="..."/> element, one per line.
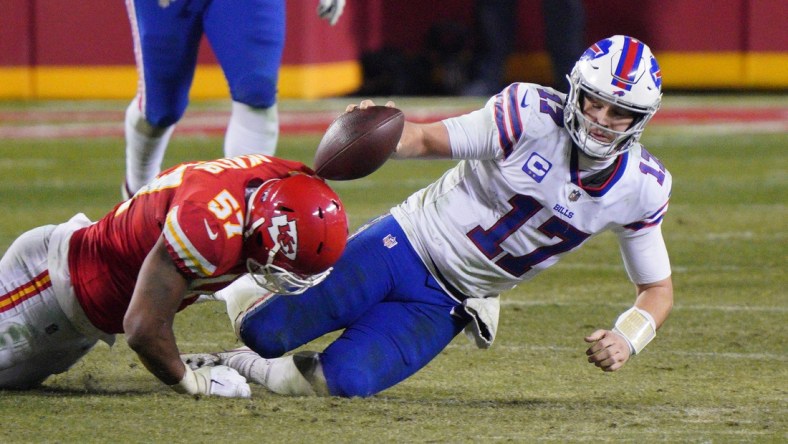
<point x="596" y="191"/>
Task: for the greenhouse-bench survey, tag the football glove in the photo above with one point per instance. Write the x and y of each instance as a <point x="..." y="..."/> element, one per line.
<point x="217" y="380"/>
<point x="330" y="10"/>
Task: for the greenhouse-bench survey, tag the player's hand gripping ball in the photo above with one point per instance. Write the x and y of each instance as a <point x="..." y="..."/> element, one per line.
<point x="359" y="142"/>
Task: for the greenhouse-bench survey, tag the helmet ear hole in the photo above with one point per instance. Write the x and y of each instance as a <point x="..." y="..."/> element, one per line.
<point x="319" y="247"/>
<point x="258" y="238"/>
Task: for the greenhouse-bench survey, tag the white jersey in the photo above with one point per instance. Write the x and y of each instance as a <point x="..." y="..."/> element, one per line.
<point x="516" y="204"/>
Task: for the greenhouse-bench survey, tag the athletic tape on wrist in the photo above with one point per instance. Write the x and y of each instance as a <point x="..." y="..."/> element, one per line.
<point x="637" y="327"/>
<point x="188" y="384"/>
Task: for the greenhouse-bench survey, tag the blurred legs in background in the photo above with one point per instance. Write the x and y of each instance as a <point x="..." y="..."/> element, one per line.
<point x="496" y="24"/>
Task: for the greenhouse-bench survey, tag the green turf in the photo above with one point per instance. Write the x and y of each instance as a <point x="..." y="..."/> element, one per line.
<point x="716" y="372"/>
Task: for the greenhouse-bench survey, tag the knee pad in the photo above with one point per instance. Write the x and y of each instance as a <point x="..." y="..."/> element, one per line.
<point x="261" y="334"/>
<point x="350" y="381"/>
<point x="256" y="91"/>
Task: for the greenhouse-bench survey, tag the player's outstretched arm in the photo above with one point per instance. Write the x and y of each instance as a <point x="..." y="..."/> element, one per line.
<point x="419" y="140"/>
<point x="634" y="329"/>
<point x="148" y="326"/>
<point x="148" y="322"/>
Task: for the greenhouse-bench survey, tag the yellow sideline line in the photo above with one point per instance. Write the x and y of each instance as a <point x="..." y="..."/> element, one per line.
<point x="691" y="70"/>
<point x="120" y="82"/>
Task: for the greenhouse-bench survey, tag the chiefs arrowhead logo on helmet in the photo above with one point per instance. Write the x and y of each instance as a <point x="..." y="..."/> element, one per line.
<point x="285" y="233"/>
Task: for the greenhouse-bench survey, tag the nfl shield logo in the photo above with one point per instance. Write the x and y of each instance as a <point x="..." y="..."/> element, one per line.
<point x="574" y="195"/>
<point x="389" y="241"/>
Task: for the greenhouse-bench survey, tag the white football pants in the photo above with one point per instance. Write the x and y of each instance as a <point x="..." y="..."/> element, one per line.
<point x="42" y="327"/>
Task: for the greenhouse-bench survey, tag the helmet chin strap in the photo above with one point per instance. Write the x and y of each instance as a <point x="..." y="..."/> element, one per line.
<point x="272" y="252"/>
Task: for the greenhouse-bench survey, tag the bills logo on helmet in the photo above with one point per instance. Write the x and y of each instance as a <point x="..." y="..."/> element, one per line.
<point x="284" y="232"/>
<point x="656" y="73"/>
<point x="629" y="68"/>
<point x="597" y="50"/>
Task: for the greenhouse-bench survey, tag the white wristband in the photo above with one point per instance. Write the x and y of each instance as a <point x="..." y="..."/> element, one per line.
<point x="190" y="384"/>
<point x="637" y="327"/>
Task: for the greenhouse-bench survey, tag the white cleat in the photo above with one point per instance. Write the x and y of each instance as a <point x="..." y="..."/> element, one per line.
<point x="228" y="358"/>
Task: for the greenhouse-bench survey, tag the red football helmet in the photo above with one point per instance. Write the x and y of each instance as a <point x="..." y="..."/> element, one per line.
<point x="295" y="230"/>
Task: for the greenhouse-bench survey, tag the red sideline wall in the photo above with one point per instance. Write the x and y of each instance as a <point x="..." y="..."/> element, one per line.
<point x="83" y="49"/>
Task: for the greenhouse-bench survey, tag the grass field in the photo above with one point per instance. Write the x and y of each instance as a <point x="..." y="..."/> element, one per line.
<point x="717" y="371"/>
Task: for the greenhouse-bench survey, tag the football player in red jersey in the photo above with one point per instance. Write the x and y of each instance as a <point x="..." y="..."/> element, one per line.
<point x="193" y="230"/>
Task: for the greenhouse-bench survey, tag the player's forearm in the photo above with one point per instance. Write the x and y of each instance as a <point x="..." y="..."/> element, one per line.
<point x="154" y="342"/>
<point x="423" y="140"/>
<point x="656" y="299"/>
<point x="638" y="325"/>
<point x="148" y="323"/>
<point x="159" y="354"/>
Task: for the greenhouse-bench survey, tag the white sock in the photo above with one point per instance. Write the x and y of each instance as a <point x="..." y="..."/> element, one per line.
<point x="240" y="296"/>
<point x="145" y="146"/>
<point x="251" y="130"/>
<point x="279" y="375"/>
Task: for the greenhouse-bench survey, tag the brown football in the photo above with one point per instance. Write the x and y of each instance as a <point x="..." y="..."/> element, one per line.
<point x="358" y="143"/>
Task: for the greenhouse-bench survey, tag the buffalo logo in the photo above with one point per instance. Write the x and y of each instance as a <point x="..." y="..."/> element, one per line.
<point x="597" y="50"/>
<point x="284" y="233"/>
<point x="656" y="73"/>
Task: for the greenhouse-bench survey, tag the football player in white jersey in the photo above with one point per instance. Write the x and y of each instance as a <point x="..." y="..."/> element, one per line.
<point x="539" y="174"/>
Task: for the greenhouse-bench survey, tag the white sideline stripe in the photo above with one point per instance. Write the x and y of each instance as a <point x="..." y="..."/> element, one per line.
<point x="692" y="354"/>
<point x="619" y="267"/>
<point x="676" y="307"/>
<point x="210" y="347"/>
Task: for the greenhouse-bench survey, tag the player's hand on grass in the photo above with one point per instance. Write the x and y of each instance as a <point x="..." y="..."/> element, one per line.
<point x="218" y="380"/>
<point x="609" y="351"/>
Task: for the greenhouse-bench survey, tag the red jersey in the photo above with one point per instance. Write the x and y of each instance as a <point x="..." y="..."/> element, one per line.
<point x="199" y="208"/>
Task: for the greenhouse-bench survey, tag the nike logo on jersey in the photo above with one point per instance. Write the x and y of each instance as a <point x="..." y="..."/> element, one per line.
<point x="522" y="102"/>
<point x="211" y="234"/>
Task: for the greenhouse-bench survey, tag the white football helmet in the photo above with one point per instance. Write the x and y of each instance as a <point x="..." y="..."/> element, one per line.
<point x="620" y="70"/>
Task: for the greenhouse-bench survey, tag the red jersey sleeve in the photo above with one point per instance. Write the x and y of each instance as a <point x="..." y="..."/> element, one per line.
<point x="200" y="244"/>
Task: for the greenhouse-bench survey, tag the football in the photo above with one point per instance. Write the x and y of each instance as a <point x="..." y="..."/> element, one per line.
<point x="358" y="143"/>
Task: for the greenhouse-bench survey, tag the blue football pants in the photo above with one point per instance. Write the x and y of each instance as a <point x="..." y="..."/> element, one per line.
<point x="395" y="316"/>
<point x="247" y="37"/>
